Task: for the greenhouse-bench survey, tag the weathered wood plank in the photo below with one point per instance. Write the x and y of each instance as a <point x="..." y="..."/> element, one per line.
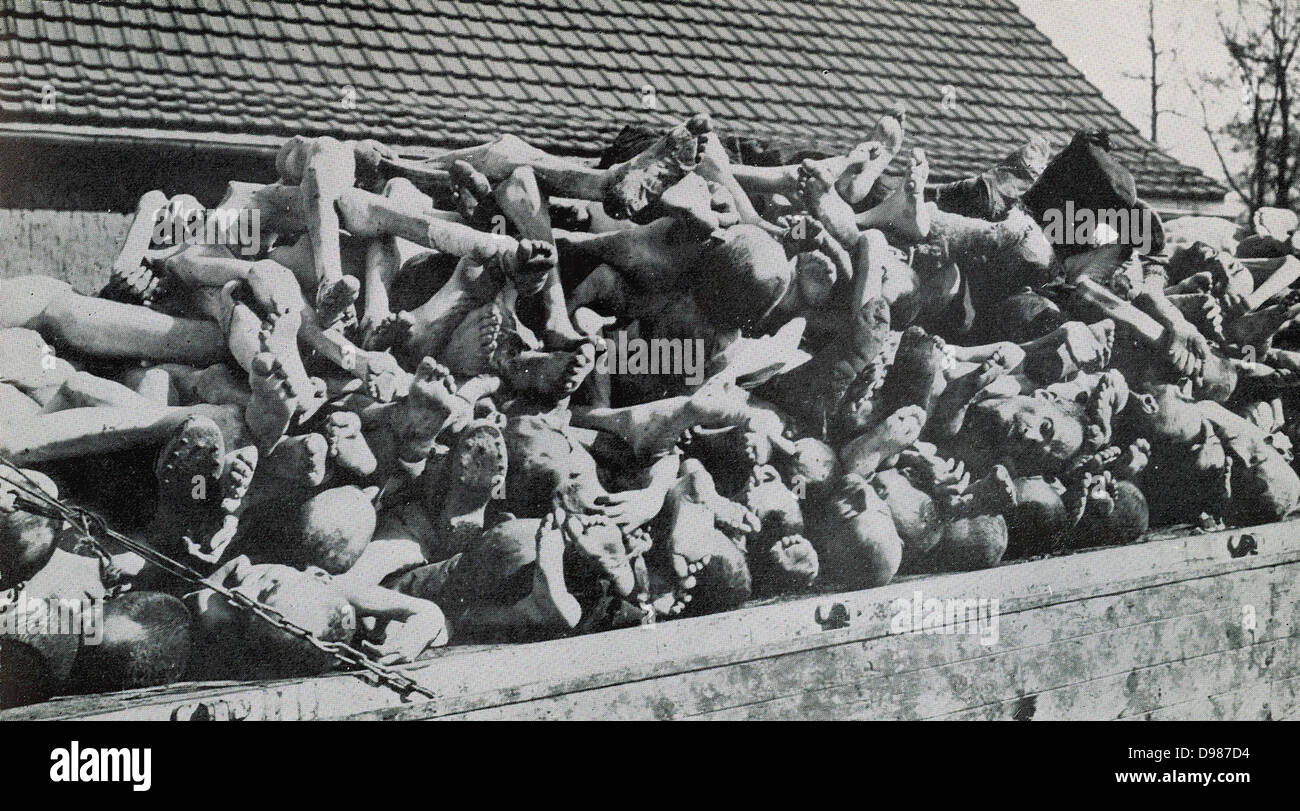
<point x="795" y="674"/>
<point x="857" y="680"/>
<point x="1179" y="559"/>
<point x="1284" y="698"/>
<point x="1143" y="691"/>
<point x="1043" y="602"/>
<point x="1247" y="704"/>
<point x="76" y="246"/>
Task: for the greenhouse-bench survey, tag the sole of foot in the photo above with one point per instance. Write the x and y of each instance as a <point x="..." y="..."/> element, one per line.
<point x="274" y="400"/>
<point x="549" y="603"/>
<point x="389" y="332"/>
<point x="473" y="344"/>
<point x="686" y="573"/>
<point x="601" y="543"/>
<point x="299" y="460"/>
<point x="549" y="374"/>
<point x="795" y="562"/>
<point x="348" y="449"/>
<point x="188" y="468"/>
<point x="904" y="213"/>
<point x="470" y="186"/>
<point x="635" y="185"/>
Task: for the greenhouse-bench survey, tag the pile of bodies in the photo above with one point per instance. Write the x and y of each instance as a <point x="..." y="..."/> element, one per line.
<point x="413" y="417"/>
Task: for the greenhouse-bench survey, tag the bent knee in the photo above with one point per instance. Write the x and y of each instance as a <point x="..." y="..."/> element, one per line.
<point x="24" y="300"/>
<point x="520" y="187"/>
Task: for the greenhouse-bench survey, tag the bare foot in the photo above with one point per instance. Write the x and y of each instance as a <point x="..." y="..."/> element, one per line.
<point x="238" y="469"/>
<point x="140" y="284"/>
<point x="470" y="187"/>
<point x="794" y="563"/>
<point x="994" y="494"/>
<point x="1258" y="328"/>
<point x="430" y="406"/>
<point x="129" y="281"/>
<point x="189" y="466"/>
<point x="550" y="604"/>
<point x="348" y="448"/>
<point x="868" y="161"/>
<point x="688" y="528"/>
<point x="470" y="349"/>
<point x="237" y="472"/>
<point x="859" y="404"/>
<point x="673" y="598"/>
<point x="733" y="518"/>
<point x="904" y="213"/>
<point x="632" y="187"/>
<point x="1110" y="395"/>
<point x="817" y="192"/>
<point x="296" y="462"/>
<point x="1135" y="459"/>
<point x="950" y="407"/>
<point x="897" y="432"/>
<point x="388" y="332"/>
<point x="279" y="336"/>
<point x="548" y="374"/>
<point x="911" y="379"/>
<point x="600" y="542"/>
<point x="528" y="265"/>
<point x="274" y="400"/>
<point x="273" y="287"/>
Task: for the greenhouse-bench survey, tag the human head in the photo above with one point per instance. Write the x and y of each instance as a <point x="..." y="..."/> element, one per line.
<point x="27" y="541"/>
<point x="309" y="599"/>
<point x="740" y="277"/>
<point x="333" y="528"/>
<point x="1038" y="518"/>
<point x="147" y="641"/>
<point x="1039" y="434"/>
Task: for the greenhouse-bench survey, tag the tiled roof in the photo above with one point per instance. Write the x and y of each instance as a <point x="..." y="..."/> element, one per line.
<point x="565" y="74"/>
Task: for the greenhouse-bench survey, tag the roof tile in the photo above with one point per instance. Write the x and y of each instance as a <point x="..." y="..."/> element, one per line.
<point x="566" y="74"/>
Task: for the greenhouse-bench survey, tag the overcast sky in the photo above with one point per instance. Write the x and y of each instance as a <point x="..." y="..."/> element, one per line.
<point x="1107" y="39"/>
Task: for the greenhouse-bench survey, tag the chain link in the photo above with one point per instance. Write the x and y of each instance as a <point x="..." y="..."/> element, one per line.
<point x="89" y="525"/>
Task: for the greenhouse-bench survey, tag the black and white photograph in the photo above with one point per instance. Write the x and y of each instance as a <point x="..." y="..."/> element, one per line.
<point x="628" y="360"/>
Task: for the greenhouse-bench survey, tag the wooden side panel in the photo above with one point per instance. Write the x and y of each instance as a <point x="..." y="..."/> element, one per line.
<point x="1172" y="628"/>
<point x="1195" y="645"/>
<point x="76" y="246"/>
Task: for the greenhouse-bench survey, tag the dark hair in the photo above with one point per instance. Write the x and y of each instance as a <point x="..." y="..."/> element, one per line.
<point x="724" y="583"/>
<point x="27" y="543"/>
<point x="1026" y="315"/>
<point x="147" y="642"/>
<point x="27" y="540"/>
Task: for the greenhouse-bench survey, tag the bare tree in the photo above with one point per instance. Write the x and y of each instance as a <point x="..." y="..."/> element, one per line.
<point x="1262" y="38"/>
<point x="1154" y="72"/>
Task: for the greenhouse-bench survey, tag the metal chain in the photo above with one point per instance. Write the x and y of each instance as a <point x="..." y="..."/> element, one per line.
<point x="9" y="596"/>
<point x="88" y="523"/>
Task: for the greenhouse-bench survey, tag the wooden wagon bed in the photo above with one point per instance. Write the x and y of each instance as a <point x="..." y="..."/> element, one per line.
<point x="1197" y="626"/>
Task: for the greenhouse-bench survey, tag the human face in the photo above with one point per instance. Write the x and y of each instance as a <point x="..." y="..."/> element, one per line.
<point x="1035" y="432"/>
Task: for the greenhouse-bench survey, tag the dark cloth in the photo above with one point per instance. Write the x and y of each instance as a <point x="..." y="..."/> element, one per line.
<point x="1086" y="175"/>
